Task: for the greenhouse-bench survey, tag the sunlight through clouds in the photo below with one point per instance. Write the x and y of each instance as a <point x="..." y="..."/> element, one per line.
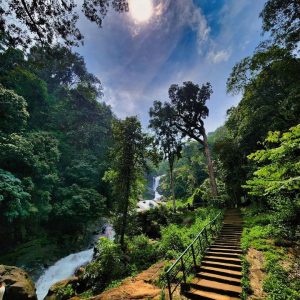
<point x="179" y="40"/>
<point x="141" y="10"/>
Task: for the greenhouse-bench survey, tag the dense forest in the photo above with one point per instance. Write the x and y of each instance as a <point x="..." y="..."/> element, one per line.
<point x="68" y="163"/>
<point x="55" y="137"/>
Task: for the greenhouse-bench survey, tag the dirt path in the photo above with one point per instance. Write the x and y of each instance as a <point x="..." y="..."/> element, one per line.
<point x="140" y="287"/>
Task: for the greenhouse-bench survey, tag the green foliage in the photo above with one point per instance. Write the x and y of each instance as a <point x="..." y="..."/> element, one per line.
<point x="176" y="237"/>
<point x="112" y="262"/>
<point x="269" y="81"/>
<point x="16" y="154"/>
<point x="280" y="172"/>
<point x="203" y="196"/>
<point x="129" y="157"/>
<point x="32" y="88"/>
<point x="79" y="204"/>
<point x="58" y="149"/>
<point x="13" y="112"/>
<point x="278" y="283"/>
<point x="65" y="292"/>
<point x="174" y="241"/>
<point x="277" y="179"/>
<point x="245" y="279"/>
<point x="167" y="137"/>
<point x="256" y="237"/>
<point x="108" y="266"/>
<point x="14" y="200"/>
<point x="281" y="19"/>
<point x="142" y="252"/>
<point x="281" y="281"/>
<point x="189" y="172"/>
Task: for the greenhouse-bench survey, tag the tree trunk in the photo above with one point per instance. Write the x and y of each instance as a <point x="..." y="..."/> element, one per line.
<point x="212" y="179"/>
<point x="125" y="212"/>
<point x="172" y="185"/>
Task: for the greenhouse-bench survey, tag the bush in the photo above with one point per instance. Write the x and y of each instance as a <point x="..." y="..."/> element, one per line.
<point x="142" y="252"/>
<point x="259" y="233"/>
<point x="256" y="237"/>
<point x="108" y="266"/>
<point x="174" y="240"/>
<point x="285" y="217"/>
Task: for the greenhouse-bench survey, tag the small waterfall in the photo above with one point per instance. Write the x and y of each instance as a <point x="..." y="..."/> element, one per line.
<point x="65" y="267"/>
<point x="148" y="204"/>
<point x="157" y="195"/>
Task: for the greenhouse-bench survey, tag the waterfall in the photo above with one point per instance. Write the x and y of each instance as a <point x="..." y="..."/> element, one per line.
<point x="148" y="204"/>
<point x="157" y="195"/>
<point x="65" y="267"/>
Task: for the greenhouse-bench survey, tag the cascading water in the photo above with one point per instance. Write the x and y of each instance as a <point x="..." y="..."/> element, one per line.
<point x="65" y="267"/>
<point x="147" y="204"/>
<point x="157" y="195"/>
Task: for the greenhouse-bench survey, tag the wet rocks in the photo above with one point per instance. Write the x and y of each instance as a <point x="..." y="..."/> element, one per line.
<point x="18" y="284"/>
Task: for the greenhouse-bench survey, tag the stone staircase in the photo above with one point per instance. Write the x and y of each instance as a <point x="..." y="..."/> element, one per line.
<point x="220" y="273"/>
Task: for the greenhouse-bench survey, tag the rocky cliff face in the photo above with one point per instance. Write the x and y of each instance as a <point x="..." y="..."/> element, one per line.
<point x="18" y="284"/>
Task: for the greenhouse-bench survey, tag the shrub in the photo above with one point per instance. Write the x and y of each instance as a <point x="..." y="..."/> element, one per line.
<point x="142" y="252"/>
<point x="173" y="241"/>
<point x="108" y="266"/>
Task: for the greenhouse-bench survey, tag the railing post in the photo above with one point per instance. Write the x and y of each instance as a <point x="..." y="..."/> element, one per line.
<point x="169" y="286"/>
<point x="200" y="244"/>
<point x="194" y="257"/>
<point x="215" y="227"/>
<point x="205" y="234"/>
<point x="183" y="270"/>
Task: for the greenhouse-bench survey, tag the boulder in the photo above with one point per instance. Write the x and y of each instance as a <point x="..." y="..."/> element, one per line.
<point x="18" y="284"/>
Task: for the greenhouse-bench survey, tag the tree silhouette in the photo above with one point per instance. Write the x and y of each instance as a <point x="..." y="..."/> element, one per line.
<point x="128" y="155"/>
<point x="167" y="137"/>
<point x="189" y="106"/>
<point x="24" y="22"/>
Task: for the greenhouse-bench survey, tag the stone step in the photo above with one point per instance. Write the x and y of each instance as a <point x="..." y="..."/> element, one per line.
<point x="219" y="278"/>
<point x="232" y="236"/>
<point x="222" y="259"/>
<point x="228" y="242"/>
<point x="227" y="246"/>
<point x="223" y="254"/>
<point x="225" y="250"/>
<point x="220" y="271"/>
<point x="196" y="294"/>
<point x="216" y="287"/>
<point x="233" y="239"/>
<point x="221" y="265"/>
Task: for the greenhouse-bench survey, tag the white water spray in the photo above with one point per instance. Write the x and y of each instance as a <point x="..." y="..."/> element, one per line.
<point x="66" y="267"/>
<point x="148" y="204"/>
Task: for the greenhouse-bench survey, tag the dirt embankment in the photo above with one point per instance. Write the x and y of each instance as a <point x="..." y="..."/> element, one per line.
<point x="140" y="287"/>
<point x="256" y="273"/>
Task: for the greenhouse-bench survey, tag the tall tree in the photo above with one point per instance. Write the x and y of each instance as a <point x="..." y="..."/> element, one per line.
<point x="128" y="164"/>
<point x="167" y="137"/>
<point x="189" y="108"/>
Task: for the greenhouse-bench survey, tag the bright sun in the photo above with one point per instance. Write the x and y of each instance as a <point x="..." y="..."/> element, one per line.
<point x="141" y="10"/>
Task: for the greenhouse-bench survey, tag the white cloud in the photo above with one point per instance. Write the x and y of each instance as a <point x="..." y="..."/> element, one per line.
<point x="219" y="56"/>
<point x="192" y="16"/>
<point x="137" y="64"/>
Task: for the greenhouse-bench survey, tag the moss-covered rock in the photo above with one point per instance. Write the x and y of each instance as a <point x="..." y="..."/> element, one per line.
<point x="18" y="284"/>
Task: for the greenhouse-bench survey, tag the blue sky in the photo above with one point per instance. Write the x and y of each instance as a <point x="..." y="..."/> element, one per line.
<point x="197" y="40"/>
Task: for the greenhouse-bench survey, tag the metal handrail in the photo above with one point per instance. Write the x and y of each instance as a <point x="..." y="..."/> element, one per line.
<point x="186" y="263"/>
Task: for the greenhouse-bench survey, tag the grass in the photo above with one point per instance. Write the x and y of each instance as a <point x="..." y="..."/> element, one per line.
<point x="279" y="283"/>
